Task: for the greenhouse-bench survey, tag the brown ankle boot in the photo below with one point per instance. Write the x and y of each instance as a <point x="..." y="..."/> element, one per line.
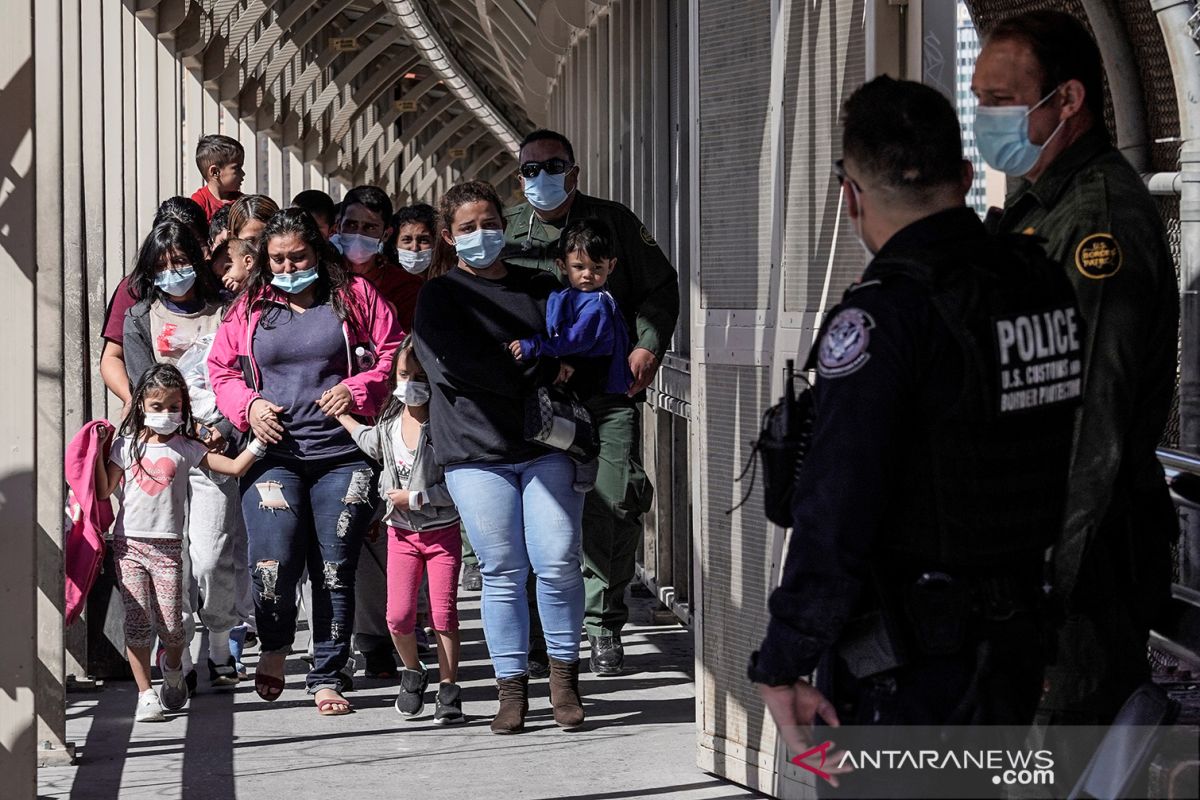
<point x="514" y="704"/>
<point x="564" y="693"/>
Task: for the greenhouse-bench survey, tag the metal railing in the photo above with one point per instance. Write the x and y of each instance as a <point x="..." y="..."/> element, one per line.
<point x="664" y="563"/>
<point x="1179" y="631"/>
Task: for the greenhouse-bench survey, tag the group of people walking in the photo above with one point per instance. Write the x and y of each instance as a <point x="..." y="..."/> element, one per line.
<point x="366" y="375"/>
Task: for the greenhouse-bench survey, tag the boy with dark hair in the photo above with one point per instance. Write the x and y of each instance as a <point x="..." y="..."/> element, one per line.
<point x="219" y="159"/>
<point x="320" y="207"/>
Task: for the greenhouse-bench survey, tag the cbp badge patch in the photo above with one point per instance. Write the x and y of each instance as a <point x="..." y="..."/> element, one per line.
<point x="843" y="349"/>
<point x="647" y="238"/>
<point x="1098" y="256"/>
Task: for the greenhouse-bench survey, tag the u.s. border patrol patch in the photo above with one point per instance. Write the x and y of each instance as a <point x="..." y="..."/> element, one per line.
<point x="647" y="238"/>
<point x="1098" y="256"/>
<point x="843" y="349"/>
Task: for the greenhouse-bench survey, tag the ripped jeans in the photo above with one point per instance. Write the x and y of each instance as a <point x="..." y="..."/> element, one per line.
<point x="307" y="513"/>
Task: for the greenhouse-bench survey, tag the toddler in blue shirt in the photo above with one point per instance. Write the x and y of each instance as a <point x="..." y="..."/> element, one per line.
<point x="583" y="320"/>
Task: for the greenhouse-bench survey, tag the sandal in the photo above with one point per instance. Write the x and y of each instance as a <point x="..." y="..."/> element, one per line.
<point x="268" y="686"/>
<point x="325" y="707"/>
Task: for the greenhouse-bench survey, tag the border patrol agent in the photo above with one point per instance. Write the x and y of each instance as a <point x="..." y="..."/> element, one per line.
<point x="646" y="288"/>
<point x="1039" y="79"/>
<point x="948" y="379"/>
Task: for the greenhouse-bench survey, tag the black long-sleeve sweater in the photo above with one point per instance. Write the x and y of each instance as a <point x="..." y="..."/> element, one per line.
<point x="463" y="325"/>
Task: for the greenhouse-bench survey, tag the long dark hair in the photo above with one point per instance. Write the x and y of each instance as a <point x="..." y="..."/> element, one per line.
<point x="333" y="279"/>
<point x="164" y="238"/>
<point x="159" y="376"/>
<point x="445" y="258"/>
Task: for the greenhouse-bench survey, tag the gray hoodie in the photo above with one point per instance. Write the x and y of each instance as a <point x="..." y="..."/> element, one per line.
<point x="437" y="509"/>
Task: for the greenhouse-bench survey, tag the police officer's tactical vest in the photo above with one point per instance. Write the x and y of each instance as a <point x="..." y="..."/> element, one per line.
<point x="986" y="478"/>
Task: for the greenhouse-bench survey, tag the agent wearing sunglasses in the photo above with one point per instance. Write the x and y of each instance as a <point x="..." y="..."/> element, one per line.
<point x="646" y="288"/>
<point x="1039" y="80"/>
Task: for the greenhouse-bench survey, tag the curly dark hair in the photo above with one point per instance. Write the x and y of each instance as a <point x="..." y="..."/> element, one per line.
<point x="592" y="235"/>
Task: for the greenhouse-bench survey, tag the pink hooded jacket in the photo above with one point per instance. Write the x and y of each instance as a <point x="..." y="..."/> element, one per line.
<point x="89" y="516"/>
<point x="372" y="336"/>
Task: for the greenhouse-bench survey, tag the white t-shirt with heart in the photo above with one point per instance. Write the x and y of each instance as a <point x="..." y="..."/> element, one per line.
<point x="154" y="503"/>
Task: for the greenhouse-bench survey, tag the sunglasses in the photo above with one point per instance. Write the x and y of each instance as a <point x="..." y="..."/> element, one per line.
<point x="554" y="166"/>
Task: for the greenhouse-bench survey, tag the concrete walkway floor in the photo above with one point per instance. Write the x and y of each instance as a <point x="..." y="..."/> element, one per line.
<point x="639" y="740"/>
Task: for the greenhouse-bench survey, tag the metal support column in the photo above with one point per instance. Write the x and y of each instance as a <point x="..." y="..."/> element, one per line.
<point x="18" y="568"/>
<point x="1173" y="18"/>
<point x="49" y="154"/>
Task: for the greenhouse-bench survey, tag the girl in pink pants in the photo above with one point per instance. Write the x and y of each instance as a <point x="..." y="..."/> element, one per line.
<point x="423" y="535"/>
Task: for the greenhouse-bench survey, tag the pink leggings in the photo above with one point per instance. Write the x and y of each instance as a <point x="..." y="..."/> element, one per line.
<point x="410" y="553"/>
<point x="150" y="574"/>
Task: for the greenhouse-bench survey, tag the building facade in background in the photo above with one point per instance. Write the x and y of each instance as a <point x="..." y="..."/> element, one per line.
<point x="968" y="47"/>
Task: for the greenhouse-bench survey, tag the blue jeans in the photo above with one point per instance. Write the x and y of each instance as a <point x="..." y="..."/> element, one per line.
<point x="319" y="523"/>
<point x="518" y="517"/>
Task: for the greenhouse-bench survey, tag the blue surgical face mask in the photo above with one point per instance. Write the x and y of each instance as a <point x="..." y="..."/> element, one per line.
<point x="357" y="249"/>
<point x="295" y="282"/>
<point x="479" y="249"/>
<point x="176" y="281"/>
<point x="547" y="192"/>
<point x="415" y="261"/>
<point x="1002" y="136"/>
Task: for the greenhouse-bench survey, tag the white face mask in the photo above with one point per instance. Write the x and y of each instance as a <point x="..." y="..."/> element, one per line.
<point x="858" y="223"/>
<point x="163" y="422"/>
<point x="415" y="261"/>
<point x="412" y="393"/>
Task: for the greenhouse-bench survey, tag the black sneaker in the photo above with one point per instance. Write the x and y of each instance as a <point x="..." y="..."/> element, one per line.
<point x="449" y="705"/>
<point x="411" y="700"/>
<point x="608" y="656"/>
<point x="423" y="646"/>
<point x="223" y="674"/>
<point x="539" y="664"/>
<point x="190" y="681"/>
<point x="472" y="581"/>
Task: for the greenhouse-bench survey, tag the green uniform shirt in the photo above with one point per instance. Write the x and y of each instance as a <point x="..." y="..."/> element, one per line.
<point x="1099" y="221"/>
<point x="644" y="284"/>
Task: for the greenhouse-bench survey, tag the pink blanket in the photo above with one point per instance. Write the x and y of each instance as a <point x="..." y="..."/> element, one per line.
<point x="89" y="516"/>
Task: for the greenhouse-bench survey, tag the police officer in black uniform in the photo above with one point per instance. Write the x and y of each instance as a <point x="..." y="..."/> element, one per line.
<point x="936" y="477"/>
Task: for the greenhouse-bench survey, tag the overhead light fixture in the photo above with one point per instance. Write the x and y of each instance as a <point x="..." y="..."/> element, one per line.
<point x="426" y="41"/>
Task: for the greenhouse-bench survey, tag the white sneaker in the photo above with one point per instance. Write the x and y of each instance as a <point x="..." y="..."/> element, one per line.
<point x="149" y="709"/>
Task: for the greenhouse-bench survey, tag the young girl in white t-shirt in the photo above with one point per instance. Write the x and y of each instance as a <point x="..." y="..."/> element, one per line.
<point x="151" y="458"/>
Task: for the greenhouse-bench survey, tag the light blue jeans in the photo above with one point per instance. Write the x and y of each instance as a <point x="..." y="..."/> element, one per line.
<point x="518" y="517"/>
